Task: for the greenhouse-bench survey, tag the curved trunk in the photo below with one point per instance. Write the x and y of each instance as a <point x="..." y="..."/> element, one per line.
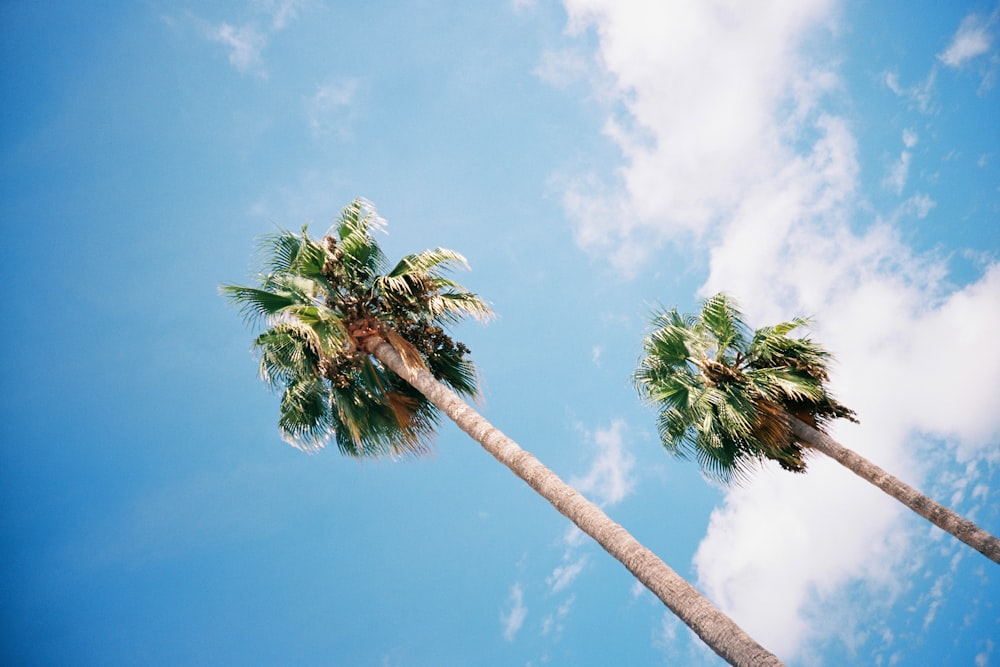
<point x="715" y="628"/>
<point x="939" y="515"/>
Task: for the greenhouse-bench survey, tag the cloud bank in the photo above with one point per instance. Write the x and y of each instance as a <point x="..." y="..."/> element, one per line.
<point x="730" y="142"/>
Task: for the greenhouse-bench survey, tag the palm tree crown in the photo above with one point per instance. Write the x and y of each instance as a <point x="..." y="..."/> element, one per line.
<point x="725" y="393"/>
<point x="319" y="299"/>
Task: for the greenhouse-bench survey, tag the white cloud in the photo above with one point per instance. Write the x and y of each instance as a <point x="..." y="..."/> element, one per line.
<point x="607" y="482"/>
<point x="609" y="479"/>
<point x="564" y="575"/>
<point x="595" y="354"/>
<point x="246" y="42"/>
<point x="899" y="172"/>
<point x="329" y="108"/>
<point x="885" y="312"/>
<point x="972" y="39"/>
<point x="512" y="620"/>
<point x="919" y="205"/>
<point x="564" y="67"/>
<point x="896" y="179"/>
<point x="695" y="139"/>
<point x="553" y="623"/>
<point x="983" y="657"/>
<point x="723" y="140"/>
<point x="972" y="43"/>
<point x="667" y="634"/>
<point x="281" y="12"/>
<point x="920" y="95"/>
<point x="778" y="551"/>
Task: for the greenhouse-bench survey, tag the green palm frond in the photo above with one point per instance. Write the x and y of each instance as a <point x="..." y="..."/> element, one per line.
<point x="724" y="324"/>
<point x="772" y="347"/>
<point x="288" y="253"/>
<point x="362" y="257"/>
<point x="452" y="307"/>
<point x="782" y="383"/>
<point x="312" y="294"/>
<point x="258" y="304"/>
<point x="725" y="393"/>
<point x="288" y="351"/>
<point x="304" y="417"/>
<point x="428" y="262"/>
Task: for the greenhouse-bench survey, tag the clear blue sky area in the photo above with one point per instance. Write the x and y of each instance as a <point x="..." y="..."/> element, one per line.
<point x="591" y="159"/>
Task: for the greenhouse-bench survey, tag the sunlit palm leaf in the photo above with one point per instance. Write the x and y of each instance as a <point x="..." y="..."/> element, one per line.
<point x="304" y="418"/>
<point x="256" y="304"/>
<point x="725" y="393"/>
<point x="452" y="307"/>
<point x="723" y="322"/>
<point x="312" y="293"/>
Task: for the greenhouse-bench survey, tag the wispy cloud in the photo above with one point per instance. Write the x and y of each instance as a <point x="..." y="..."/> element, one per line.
<point x="512" y="619"/>
<point x="563" y="67"/>
<point x="564" y="575"/>
<point x="920" y="95"/>
<point x="971" y="43"/>
<point x="895" y="180"/>
<point x="552" y="624"/>
<point x="609" y="479"/>
<point x="983" y="657"/>
<point x="330" y="108"/>
<point x="281" y="12"/>
<point x="244" y="44"/>
<point x="972" y="39"/>
<point x="246" y="41"/>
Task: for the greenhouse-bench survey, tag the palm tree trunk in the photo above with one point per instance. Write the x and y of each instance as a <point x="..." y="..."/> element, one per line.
<point x="715" y="628"/>
<point x="939" y="515"/>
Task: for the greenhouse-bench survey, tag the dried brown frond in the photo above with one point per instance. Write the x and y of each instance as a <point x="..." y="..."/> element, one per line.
<point x="405" y="410"/>
<point x="409" y="353"/>
<point x="773" y="431"/>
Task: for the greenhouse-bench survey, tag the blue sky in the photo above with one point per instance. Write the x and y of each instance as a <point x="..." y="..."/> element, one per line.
<point x="591" y="158"/>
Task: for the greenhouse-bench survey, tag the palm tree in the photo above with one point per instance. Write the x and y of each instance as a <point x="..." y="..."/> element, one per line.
<point x="732" y="399"/>
<point x="361" y="357"/>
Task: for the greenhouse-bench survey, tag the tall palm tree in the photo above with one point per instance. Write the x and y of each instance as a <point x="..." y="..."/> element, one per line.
<point x="361" y="357"/>
<point x="733" y="398"/>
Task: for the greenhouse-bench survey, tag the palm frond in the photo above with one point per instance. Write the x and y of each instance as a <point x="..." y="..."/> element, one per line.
<point x="258" y="304"/>
<point x="781" y="384"/>
<point x="723" y="320"/>
<point x="362" y="256"/>
<point x="304" y="417"/>
<point x="289" y="253"/>
<point x="428" y="262"/>
<point x="452" y="307"/>
<point x="785" y="328"/>
<point x="410" y="354"/>
<point x="288" y="351"/>
<point x="456" y="371"/>
<point x="725" y="393"/>
<point x="318" y="297"/>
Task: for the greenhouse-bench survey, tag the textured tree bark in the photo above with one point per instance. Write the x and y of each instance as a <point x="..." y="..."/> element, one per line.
<point x="939" y="515"/>
<point x="715" y="628"/>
